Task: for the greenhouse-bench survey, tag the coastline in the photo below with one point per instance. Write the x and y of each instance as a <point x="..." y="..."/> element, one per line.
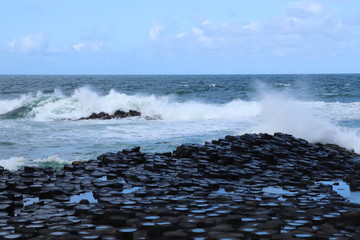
<point x="254" y="186"/>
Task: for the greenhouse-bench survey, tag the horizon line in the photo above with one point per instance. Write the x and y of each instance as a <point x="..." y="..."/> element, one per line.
<point x="162" y="74"/>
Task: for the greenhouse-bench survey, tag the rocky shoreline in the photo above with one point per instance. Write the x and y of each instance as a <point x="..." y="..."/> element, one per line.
<point x="254" y="186"/>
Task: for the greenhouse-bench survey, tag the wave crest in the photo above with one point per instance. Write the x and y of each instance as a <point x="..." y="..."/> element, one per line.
<point x="14" y="163"/>
<point x="84" y="101"/>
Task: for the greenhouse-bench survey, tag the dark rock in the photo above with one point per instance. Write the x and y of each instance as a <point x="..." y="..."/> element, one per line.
<point x="120" y="114"/>
<point x="273" y="224"/>
<point x="133" y="113"/>
<point x="51" y="192"/>
<point x="29" y="169"/>
<point x="136" y="149"/>
<point x="175" y="235"/>
<point x="117" y="114"/>
<point x="255" y="186"/>
<point x="126" y="232"/>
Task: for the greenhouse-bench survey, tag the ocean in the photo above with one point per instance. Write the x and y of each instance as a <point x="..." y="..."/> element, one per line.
<point x="39" y="114"/>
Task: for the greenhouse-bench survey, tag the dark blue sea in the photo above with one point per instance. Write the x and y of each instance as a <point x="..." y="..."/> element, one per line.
<point x="38" y="114"/>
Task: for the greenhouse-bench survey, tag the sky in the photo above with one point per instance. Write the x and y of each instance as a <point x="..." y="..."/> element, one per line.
<point x="179" y="36"/>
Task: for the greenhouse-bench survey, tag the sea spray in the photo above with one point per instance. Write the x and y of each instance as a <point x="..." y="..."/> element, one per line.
<point x="282" y="113"/>
<point x="13" y="163"/>
<point x="10" y="105"/>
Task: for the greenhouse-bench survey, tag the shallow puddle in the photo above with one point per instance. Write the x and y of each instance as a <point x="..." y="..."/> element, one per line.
<point x="343" y="189"/>
<point x="130" y="190"/>
<point x="29" y="201"/>
<point x="87" y="196"/>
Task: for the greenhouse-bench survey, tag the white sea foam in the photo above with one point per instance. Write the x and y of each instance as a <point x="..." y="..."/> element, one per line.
<point x="282" y="84"/>
<point x="10" y="105"/>
<point x="52" y="158"/>
<point x="12" y="163"/>
<point x="215" y="85"/>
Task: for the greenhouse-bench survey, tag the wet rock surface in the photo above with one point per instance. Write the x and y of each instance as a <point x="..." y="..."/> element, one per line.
<point x="117" y="114"/>
<point x="254" y="186"/>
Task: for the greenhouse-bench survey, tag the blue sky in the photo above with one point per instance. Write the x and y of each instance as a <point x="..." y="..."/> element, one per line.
<point x="179" y="36"/>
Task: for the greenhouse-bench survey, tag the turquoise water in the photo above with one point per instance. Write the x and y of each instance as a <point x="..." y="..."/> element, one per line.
<point x="38" y="113"/>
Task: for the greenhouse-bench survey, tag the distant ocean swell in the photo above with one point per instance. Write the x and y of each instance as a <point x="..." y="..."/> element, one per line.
<point x="272" y="111"/>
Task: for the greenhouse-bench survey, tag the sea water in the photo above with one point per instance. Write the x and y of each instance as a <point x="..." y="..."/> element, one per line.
<point x="39" y="114"/>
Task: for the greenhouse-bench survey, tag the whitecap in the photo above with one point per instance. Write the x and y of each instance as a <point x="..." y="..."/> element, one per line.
<point x="282" y="84"/>
<point x="15" y="163"/>
<point x="12" y="163"/>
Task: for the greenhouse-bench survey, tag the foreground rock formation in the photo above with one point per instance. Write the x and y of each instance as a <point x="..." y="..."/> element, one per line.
<point x="117" y="114"/>
<point x="256" y="186"/>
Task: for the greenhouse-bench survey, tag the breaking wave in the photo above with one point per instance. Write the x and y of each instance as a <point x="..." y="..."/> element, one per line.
<point x="316" y="121"/>
<point x="14" y="163"/>
<point x="84" y="101"/>
<point x="313" y="121"/>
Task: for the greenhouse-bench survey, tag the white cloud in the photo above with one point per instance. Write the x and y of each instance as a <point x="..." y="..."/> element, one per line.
<point x="28" y="43"/>
<point x="206" y="22"/>
<point x="200" y="36"/>
<point x="91" y="46"/>
<point x="197" y="31"/>
<point x="38" y="43"/>
<point x="155" y="32"/>
<point x="253" y="26"/>
<point x="95" y="46"/>
<point x="304" y="9"/>
<point x="77" y="47"/>
<point x="306" y="27"/>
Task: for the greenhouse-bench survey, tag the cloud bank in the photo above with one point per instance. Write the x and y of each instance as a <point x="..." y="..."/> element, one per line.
<point x="306" y="27"/>
<point x="304" y="36"/>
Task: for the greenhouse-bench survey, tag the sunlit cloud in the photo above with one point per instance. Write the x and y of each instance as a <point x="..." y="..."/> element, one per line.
<point x="304" y="9"/>
<point x="155" y="32"/>
<point x="29" y="43"/>
<point x="77" y="47"/>
<point x="305" y="26"/>
<point x="92" y="46"/>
